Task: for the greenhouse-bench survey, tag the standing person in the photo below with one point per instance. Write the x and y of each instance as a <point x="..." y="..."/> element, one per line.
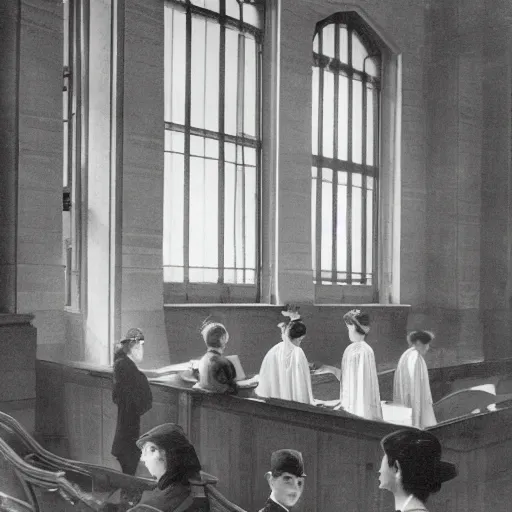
<point x="216" y="372"/>
<point x="359" y="390"/>
<point x="411" y="385"/>
<point x="284" y="372"/>
<point x="412" y="468"/>
<point x="286" y="480"/>
<point x="132" y="395"/>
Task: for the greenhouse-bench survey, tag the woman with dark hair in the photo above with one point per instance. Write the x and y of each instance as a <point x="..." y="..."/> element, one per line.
<point x="216" y="372"/>
<point x="411" y="385"/>
<point x="284" y="371"/>
<point x="412" y="468"/>
<point x="172" y="460"/>
<point x="132" y="395"/>
<point x="359" y="390"/>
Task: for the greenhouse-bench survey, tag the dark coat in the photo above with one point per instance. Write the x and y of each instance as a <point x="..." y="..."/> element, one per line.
<point x="132" y="395"/>
<point x="272" y="506"/>
<point x="170" y="494"/>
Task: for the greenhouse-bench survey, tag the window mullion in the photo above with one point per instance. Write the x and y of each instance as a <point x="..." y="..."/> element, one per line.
<point x="334" y="274"/>
<point x="363" y="188"/>
<point x="186" y="207"/>
<point x="222" y="145"/>
<point x="319" y="170"/>
<point x="349" y="158"/>
<point x="239" y="131"/>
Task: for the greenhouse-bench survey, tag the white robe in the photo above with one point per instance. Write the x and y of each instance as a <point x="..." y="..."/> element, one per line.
<point x="359" y="384"/>
<point x="412" y="388"/>
<point x="284" y="374"/>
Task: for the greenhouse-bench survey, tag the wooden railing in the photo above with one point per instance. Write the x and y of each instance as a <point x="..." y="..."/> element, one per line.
<point x="235" y="436"/>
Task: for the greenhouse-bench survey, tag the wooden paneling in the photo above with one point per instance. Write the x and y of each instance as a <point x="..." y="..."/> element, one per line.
<point x="235" y="437"/>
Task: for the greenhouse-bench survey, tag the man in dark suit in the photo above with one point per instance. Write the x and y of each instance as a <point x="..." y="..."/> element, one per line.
<point x="286" y="480"/>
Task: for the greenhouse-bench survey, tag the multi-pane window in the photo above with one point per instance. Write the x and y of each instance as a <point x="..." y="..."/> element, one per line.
<point x="212" y="141"/>
<point x="345" y="123"/>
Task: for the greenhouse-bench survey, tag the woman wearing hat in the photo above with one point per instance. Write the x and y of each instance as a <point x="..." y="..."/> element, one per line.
<point x="284" y="372"/>
<point x="359" y="390"/>
<point x="172" y="460"/>
<point x="412" y="468"/>
<point x="132" y="395"/>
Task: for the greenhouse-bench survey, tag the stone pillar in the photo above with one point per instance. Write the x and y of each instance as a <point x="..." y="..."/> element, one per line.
<point x="126" y="173"/>
<point x="18" y="338"/>
<point x="496" y="235"/>
<point x="9" y="75"/>
<point x="453" y="183"/>
<point x="40" y="270"/>
<point x="294" y="272"/>
<point x="141" y="297"/>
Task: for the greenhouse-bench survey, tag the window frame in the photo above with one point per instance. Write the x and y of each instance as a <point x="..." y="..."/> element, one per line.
<point x="75" y="79"/>
<point x="220" y="292"/>
<point x="344" y="290"/>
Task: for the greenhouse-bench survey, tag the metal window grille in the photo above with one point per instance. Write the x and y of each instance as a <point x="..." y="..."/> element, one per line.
<point x="212" y="141"/>
<point x="345" y="167"/>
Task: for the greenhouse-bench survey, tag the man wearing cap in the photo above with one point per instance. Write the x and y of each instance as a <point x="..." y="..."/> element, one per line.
<point x="286" y="480"/>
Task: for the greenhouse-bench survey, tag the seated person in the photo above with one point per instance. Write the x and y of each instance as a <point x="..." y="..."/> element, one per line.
<point x="286" y="480"/>
<point x="172" y="460"/>
<point x="359" y="393"/>
<point x="216" y="372"/>
<point x="412" y="468"/>
<point x="285" y="371"/>
<point x="411" y="384"/>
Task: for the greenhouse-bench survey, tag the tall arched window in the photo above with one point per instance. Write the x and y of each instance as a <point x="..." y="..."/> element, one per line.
<point x="212" y="144"/>
<point x="346" y="84"/>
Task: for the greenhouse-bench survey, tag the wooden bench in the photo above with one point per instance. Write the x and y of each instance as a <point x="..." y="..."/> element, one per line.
<point x="41" y="481"/>
<point x="461" y="403"/>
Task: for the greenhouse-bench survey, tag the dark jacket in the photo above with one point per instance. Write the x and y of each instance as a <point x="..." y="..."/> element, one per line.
<point x="272" y="506"/>
<point x="217" y="373"/>
<point x="132" y="395"/>
<point x="170" y="494"/>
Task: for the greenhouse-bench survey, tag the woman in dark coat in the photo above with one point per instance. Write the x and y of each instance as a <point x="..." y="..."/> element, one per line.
<point x="132" y="395"/>
<point x="172" y="460"/>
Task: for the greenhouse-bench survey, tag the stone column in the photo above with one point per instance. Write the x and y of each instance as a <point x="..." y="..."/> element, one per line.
<point x="294" y="272"/>
<point x="125" y="182"/>
<point x="496" y="235"/>
<point x="453" y="182"/>
<point x="9" y="76"/>
<point x="141" y="297"/>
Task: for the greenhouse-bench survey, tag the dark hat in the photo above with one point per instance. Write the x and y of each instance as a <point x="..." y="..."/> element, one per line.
<point x="133" y="334"/>
<point x="168" y="436"/>
<point x="181" y="456"/>
<point x="287" y="461"/>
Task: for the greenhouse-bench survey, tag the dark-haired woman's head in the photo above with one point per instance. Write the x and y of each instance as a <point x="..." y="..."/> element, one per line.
<point x="296" y="329"/>
<point x="358" y="324"/>
<point x="420" y="340"/>
<point x="166" y="449"/>
<point x="215" y="335"/>
<point x="412" y="464"/>
<point x="132" y="345"/>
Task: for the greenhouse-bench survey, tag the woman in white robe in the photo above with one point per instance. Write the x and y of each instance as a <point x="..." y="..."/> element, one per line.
<point x="411" y="384"/>
<point x="285" y="371"/>
<point x="359" y="393"/>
